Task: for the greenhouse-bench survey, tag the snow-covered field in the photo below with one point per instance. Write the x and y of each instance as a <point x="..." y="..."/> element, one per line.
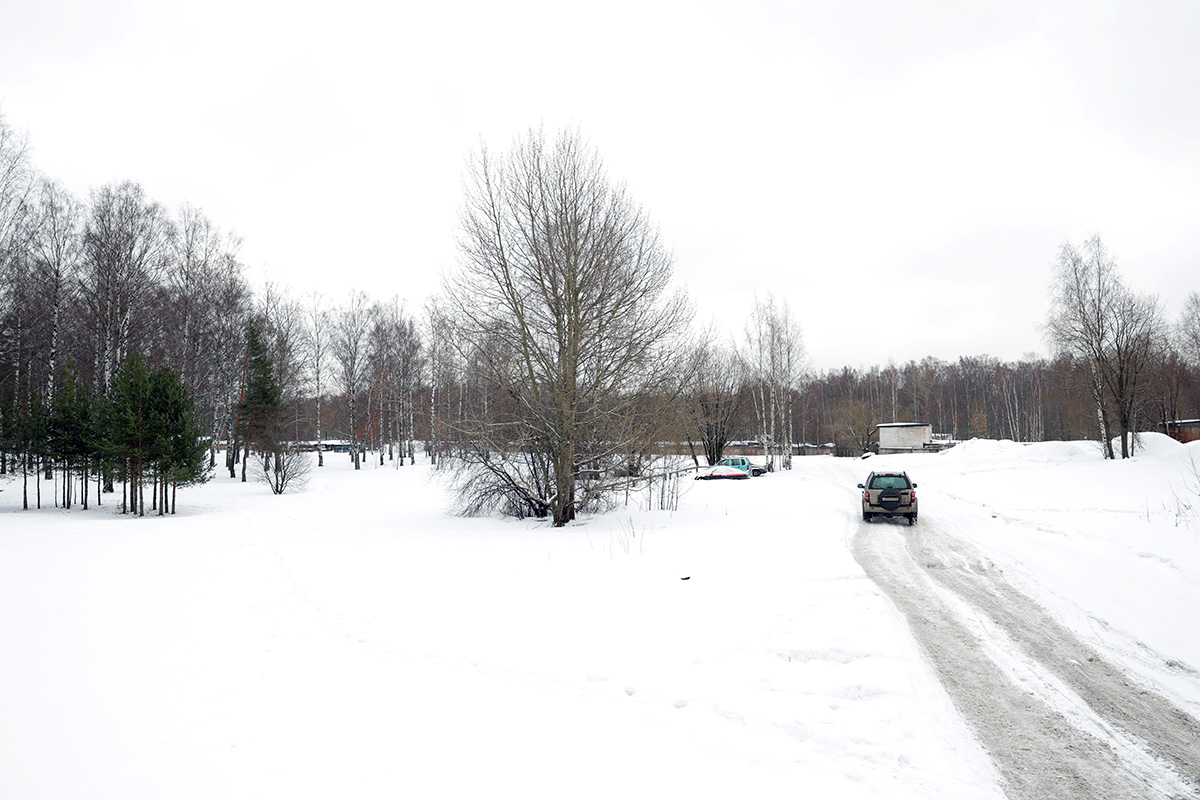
<point x="356" y="640"/>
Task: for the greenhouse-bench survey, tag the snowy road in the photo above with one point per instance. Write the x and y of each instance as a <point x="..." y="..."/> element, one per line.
<point x="1056" y="717"/>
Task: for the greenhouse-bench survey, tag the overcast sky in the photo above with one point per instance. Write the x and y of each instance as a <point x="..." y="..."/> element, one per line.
<point x="902" y="174"/>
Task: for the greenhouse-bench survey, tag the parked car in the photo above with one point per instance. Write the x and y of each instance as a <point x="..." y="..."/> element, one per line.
<point x="744" y="464"/>
<point x="732" y="467"/>
<point x="889" y="494"/>
<point x="723" y="472"/>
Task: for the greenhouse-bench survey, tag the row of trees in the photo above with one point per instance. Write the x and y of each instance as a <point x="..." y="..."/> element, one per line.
<point x="1118" y="366"/>
<point x="143" y="433"/>
<point x="555" y="368"/>
<point x="99" y="282"/>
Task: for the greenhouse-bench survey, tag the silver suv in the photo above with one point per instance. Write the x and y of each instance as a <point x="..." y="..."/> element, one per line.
<point x="889" y="494"/>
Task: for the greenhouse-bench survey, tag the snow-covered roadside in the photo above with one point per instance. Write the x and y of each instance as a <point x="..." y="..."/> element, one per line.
<point x="354" y="640"/>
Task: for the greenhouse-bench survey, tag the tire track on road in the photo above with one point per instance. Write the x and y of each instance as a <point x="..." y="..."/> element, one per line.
<point x="1141" y="747"/>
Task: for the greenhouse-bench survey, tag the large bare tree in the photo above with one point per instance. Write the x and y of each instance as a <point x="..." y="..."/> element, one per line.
<point x="561" y="308"/>
<point x="1115" y="332"/>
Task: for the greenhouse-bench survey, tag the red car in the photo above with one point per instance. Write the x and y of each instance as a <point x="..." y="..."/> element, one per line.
<point x="724" y="472"/>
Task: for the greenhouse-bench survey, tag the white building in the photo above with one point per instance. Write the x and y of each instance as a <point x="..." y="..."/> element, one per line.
<point x="904" y="437"/>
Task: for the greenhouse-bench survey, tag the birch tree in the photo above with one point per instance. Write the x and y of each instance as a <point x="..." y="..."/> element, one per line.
<point x="1110" y="329"/>
<point x="351" y="350"/>
<point x="231" y="300"/>
<point x="57" y="255"/>
<point x="773" y="358"/>
<point x="285" y="336"/>
<point x="193" y="250"/>
<point x="319" y="335"/>
<point x="16" y="187"/>
<point x="394" y="356"/>
<point x="440" y="371"/>
<point x="125" y="256"/>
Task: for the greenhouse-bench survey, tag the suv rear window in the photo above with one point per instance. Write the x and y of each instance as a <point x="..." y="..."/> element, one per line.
<point x="889" y="482"/>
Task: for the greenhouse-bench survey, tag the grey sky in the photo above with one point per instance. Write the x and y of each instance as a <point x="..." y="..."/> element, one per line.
<point x="841" y="155"/>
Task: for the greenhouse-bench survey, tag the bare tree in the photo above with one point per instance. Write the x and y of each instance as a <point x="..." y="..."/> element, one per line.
<point x="231" y="301"/>
<point x="383" y="377"/>
<point x="318" y="347"/>
<point x="411" y="366"/>
<point x="57" y="254"/>
<point x="350" y="346"/>
<point x="195" y="246"/>
<point x="712" y="398"/>
<point x="395" y="369"/>
<point x="773" y="359"/>
<point x="854" y="422"/>
<point x="289" y="463"/>
<point x="1187" y="330"/>
<point x="560" y="308"/>
<point x="125" y="256"/>
<point x="1168" y="385"/>
<point x="1112" y="330"/>
<point x="441" y="369"/>
<point x="283" y="325"/>
<point x="16" y="189"/>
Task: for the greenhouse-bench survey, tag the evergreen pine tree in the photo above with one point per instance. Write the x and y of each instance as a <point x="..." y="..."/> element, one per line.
<point x="127" y="428"/>
<point x="180" y="451"/>
<point x="69" y="431"/>
<point x="262" y="400"/>
<point x="8" y="430"/>
<point x="28" y="431"/>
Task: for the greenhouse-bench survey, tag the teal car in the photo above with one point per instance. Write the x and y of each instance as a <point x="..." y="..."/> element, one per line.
<point x="742" y="463"/>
